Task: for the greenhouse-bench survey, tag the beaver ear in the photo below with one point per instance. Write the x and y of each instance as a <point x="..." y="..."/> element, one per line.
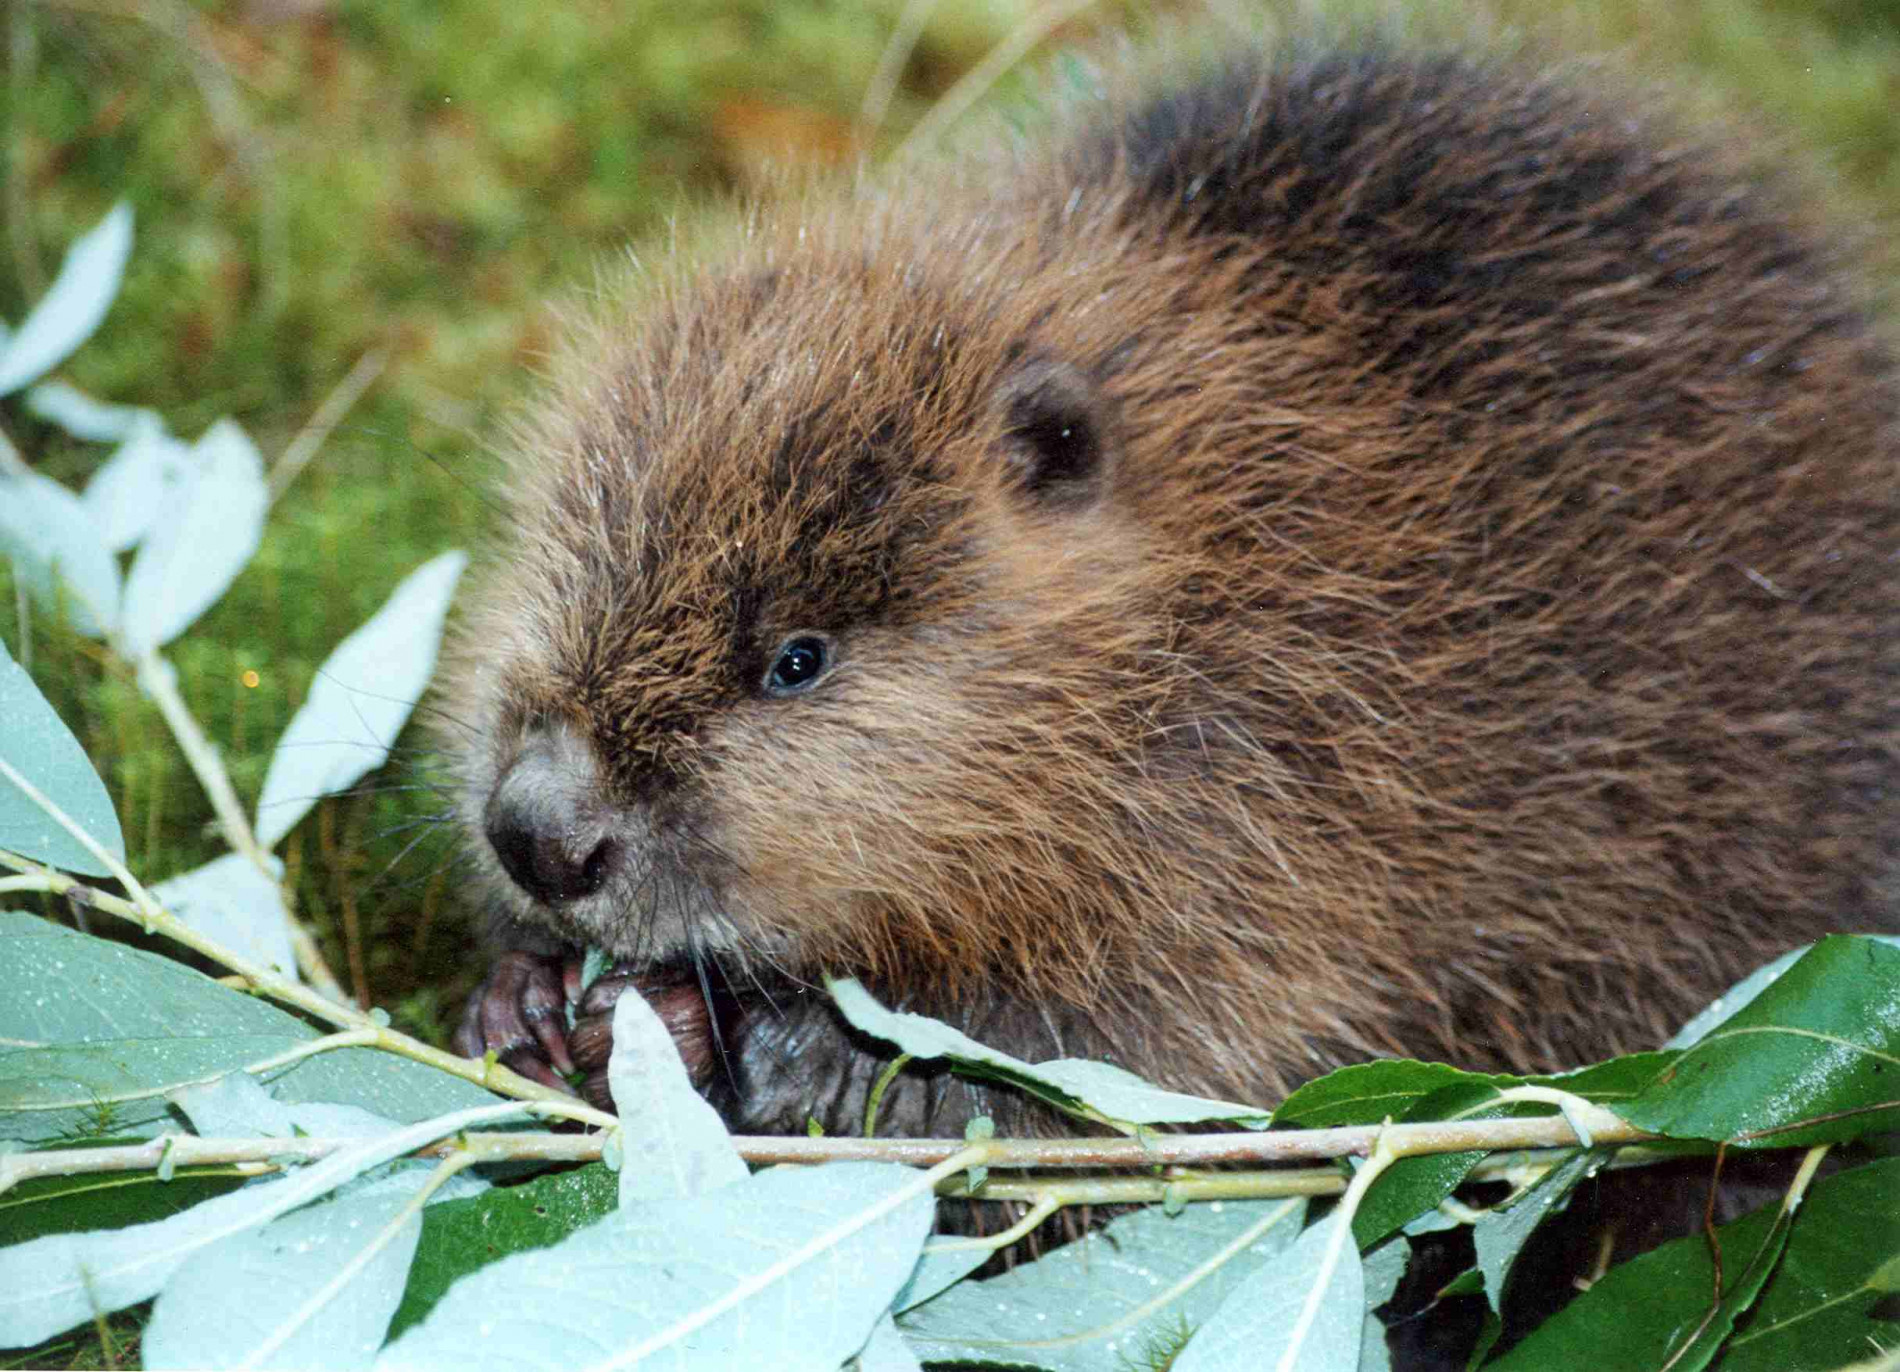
<point x="1059" y="433"/>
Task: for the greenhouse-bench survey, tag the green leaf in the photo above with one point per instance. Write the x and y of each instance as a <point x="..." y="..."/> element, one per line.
<point x="52" y="1283"/>
<point x="65" y="987"/>
<point x="1264" y="1323"/>
<point x="207" y="534"/>
<point x="1371" y="1092"/>
<point x="58" y="553"/>
<point x="73" y="305"/>
<point x="1401" y="1090"/>
<point x="461" y="1236"/>
<point x="101" y="1026"/>
<point x="1065" y="1083"/>
<point x="248" y="1298"/>
<point x="1411" y="1186"/>
<point x="42" y="1090"/>
<point x="885" y="1351"/>
<point x="360" y="699"/>
<point x="1841" y="1263"/>
<point x="1501" y="1233"/>
<point x="82" y="415"/>
<point x="38" y="745"/>
<point x="1607" y="1083"/>
<point x="673" y="1142"/>
<point x="1383" y="1269"/>
<point x="235" y="1106"/>
<point x="144" y="478"/>
<point x="1639" y="1314"/>
<point x="1725" y="1006"/>
<point x="1103" y="1300"/>
<point x="1407" y="1091"/>
<point x="106" y="1200"/>
<point x="230" y="900"/>
<point x="944" y="1262"/>
<point x="1821" y="1044"/>
<point x="790" y="1269"/>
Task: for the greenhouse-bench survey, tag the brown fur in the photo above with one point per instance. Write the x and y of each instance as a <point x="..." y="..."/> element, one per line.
<point x="1470" y="635"/>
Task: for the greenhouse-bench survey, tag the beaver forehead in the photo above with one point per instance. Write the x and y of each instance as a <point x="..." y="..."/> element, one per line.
<point x="807" y="496"/>
<point x="803" y="489"/>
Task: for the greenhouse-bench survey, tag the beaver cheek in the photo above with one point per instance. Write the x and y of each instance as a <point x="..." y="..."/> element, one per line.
<point x="775" y="884"/>
<point x="677" y="1000"/>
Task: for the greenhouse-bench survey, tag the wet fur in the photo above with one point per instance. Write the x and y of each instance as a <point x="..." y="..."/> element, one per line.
<point x="1470" y="636"/>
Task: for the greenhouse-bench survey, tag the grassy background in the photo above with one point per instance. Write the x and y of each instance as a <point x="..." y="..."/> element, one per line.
<point x="320" y="179"/>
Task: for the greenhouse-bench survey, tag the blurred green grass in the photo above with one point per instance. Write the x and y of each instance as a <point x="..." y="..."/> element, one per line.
<point x="317" y="179"/>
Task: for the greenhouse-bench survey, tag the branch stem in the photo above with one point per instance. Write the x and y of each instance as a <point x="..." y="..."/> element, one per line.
<point x="159" y="681"/>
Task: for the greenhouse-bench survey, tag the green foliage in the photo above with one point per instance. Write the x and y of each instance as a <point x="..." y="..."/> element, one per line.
<point x="1790" y="1056"/>
<point x="156" y="1044"/>
<point x="314" y="182"/>
<point x="73" y="1205"/>
<point x="650" y="1279"/>
<point x="143" y="1024"/>
<point x="1839" y="1262"/>
<point x="1076" y="1085"/>
<point x="1111" y="1294"/>
<point x="460" y="1236"/>
<point x="45" y="755"/>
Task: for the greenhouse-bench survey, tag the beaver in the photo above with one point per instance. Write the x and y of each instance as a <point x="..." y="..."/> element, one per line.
<point x="1337" y="554"/>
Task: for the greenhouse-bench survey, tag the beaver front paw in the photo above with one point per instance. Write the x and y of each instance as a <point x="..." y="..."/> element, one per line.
<point x="520" y="1014"/>
<point x="681" y="1006"/>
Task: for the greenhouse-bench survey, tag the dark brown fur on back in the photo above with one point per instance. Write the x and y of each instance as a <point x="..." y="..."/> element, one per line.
<point x="1359" y="556"/>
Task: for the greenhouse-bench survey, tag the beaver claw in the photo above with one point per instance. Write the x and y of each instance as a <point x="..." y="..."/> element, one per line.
<point x="520" y="1015"/>
<point x="681" y="1006"/>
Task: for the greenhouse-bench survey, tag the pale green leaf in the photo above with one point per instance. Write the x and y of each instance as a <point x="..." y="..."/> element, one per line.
<point x="1107" y="1089"/>
<point x="202" y="540"/>
<point x="36" y="743"/>
<point x="58" y="553"/>
<point x="789" y="1270"/>
<point x="73" y="306"/>
<point x="673" y="1142"/>
<point x="359" y="701"/>
<point x="1112" y="1297"/>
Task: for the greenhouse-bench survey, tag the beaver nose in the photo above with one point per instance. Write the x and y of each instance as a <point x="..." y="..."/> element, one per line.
<point x="547" y="823"/>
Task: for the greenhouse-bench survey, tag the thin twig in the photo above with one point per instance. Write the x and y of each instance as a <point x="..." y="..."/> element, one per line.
<point x="1197" y="1150"/>
<point x="257" y="1157"/>
<point x="338" y="403"/>
<point x="890" y="66"/>
<point x="160" y="682"/>
<point x="976" y="82"/>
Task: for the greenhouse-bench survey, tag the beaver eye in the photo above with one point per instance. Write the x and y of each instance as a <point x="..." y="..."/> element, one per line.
<point x="801" y="661"/>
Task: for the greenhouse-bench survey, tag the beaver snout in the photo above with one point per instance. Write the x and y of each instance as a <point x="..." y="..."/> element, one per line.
<point x="547" y="824"/>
